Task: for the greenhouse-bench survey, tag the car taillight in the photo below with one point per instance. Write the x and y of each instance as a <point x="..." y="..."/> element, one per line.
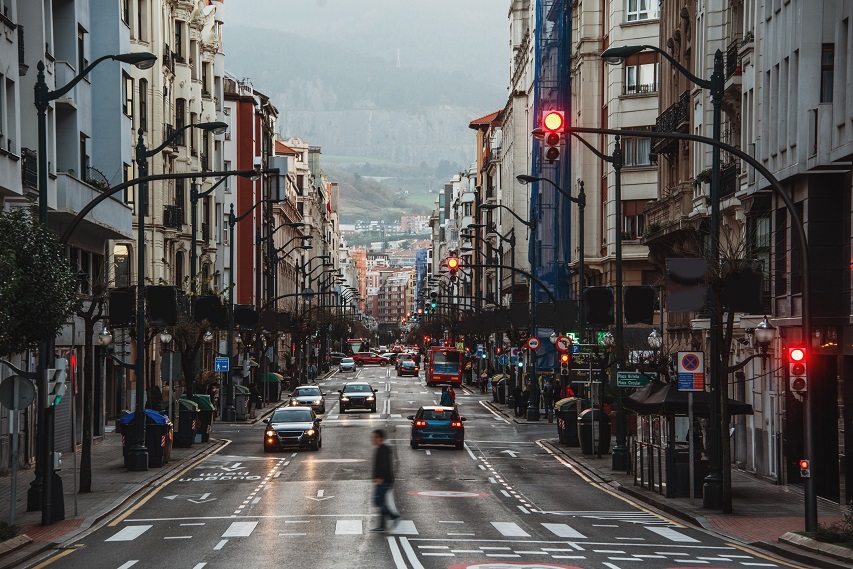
<point x="420" y="423"/>
<point x="457" y="424"/>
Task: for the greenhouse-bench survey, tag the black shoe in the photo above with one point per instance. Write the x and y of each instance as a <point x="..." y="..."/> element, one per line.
<point x="378" y="530"/>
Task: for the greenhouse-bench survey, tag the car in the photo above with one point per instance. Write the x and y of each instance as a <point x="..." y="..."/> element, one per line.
<point x="392" y="357"/>
<point x="347" y="364"/>
<point x="359" y="395"/>
<point x="362" y="358"/>
<point x="402" y="357"/>
<point x="336" y="357"/>
<point x="437" y="426"/>
<point x="292" y="427"/>
<point x="408" y="367"/>
<point x="308" y="395"/>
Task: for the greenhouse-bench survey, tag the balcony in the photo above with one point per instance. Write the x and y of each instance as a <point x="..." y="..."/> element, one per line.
<point x="29" y="168"/>
<point x="732" y="88"/>
<point x="669" y="213"/>
<point x="112" y="219"/>
<point x="173" y="216"/>
<point x="494" y="155"/>
<point x="204" y="163"/>
<point x="168" y="61"/>
<point x="648" y="89"/>
<point x="674" y="119"/>
<point x="205" y="233"/>
<point x="728" y="179"/>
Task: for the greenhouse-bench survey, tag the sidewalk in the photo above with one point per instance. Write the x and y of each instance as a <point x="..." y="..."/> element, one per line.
<point x="763" y="512"/>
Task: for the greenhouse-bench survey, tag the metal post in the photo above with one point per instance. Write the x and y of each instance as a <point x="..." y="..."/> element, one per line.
<point x="533" y="401"/>
<point x="712" y="496"/>
<point x="620" y="451"/>
<point x="193" y="230"/>
<point x="229" y="413"/>
<point x="137" y="454"/>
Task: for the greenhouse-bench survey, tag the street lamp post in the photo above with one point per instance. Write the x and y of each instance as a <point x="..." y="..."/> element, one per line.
<point x="40" y="493"/>
<point x="510" y="240"/>
<point x="712" y="496"/>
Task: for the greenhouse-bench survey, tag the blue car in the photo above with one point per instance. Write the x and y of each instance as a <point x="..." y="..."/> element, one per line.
<point x="437" y="426"/>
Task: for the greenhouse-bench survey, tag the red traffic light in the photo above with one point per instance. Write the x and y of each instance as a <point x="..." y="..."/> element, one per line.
<point x="553" y="121"/>
<point x="804" y="464"/>
<point x="452" y="263"/>
<point x="564" y="358"/>
<point x="797" y="354"/>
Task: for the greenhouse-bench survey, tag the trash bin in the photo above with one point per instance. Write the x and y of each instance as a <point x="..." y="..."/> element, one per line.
<point x="681" y="485"/>
<point x="602" y="435"/>
<point x="187" y="421"/>
<point x="269" y="387"/>
<point x="241" y="402"/>
<point x="499" y="389"/>
<point x="158" y="436"/>
<point x="205" y="418"/>
<point x="566" y="411"/>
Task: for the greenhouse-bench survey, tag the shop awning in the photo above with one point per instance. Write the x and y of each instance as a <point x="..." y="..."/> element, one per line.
<point x="659" y="398"/>
<point x="272" y="377"/>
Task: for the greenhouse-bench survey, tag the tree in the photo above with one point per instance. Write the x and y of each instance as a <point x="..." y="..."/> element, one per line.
<point x="38" y="288"/>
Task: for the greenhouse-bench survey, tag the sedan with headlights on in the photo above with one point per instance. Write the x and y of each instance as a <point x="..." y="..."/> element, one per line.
<point x="357" y="396"/>
<point x="290" y="427"/>
<point x="308" y="395"/>
<point x="347" y="364"/>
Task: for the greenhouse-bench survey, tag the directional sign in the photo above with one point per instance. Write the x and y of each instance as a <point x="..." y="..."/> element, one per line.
<point x="634" y="378"/>
<point x="691" y="371"/>
<point x="503" y="359"/>
<point x="221" y="365"/>
<point x="532" y="343"/>
<point x="17" y="393"/>
<point x="563" y="343"/>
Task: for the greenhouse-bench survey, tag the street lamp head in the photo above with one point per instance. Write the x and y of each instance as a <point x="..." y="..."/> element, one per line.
<point x="208" y="337"/>
<point x="609" y="339"/>
<point x="296" y="225"/>
<point x="476" y="225"/>
<point x="525" y="179"/>
<point x="165" y="337"/>
<point x="216" y="127"/>
<point x="655" y="340"/>
<point x="616" y="55"/>
<point x="764" y="333"/>
<point x="142" y="60"/>
<point x="306" y="247"/>
<point x="489" y="206"/>
<point x="105" y="337"/>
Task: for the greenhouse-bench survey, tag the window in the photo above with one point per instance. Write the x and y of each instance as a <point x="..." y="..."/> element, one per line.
<point x="641" y="74"/>
<point x="128" y="192"/>
<point x="179" y="192"/>
<point x="827" y="72"/>
<point x="633" y="219"/>
<point x="179" y="41"/>
<point x="635" y="151"/>
<point x="127" y="95"/>
<point x="121" y="260"/>
<point x="125" y="11"/>
<point x="642" y="10"/>
<point x="227" y="183"/>
<point x="84" y="157"/>
<point x="140" y="19"/>
<point x="180" y="119"/>
<point x="143" y="104"/>
<point x="81" y="50"/>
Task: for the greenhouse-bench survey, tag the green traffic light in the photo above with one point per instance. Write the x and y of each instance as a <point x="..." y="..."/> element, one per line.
<point x="433" y="305"/>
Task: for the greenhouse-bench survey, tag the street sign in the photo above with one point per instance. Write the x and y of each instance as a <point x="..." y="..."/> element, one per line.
<point x="634" y="378"/>
<point x="503" y="359"/>
<point x="17" y="393"/>
<point x="532" y="343"/>
<point x="691" y="371"/>
<point x="576" y="348"/>
<point x="221" y="365"/>
<point x="513" y="356"/>
<point x="563" y="343"/>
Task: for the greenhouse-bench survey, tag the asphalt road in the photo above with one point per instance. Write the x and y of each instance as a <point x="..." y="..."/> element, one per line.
<point x="502" y="502"/>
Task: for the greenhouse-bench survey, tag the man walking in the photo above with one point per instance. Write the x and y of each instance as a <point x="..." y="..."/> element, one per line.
<point x="383" y="480"/>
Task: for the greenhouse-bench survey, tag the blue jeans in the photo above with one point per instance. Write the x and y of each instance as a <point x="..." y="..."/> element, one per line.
<point x="380" y="500"/>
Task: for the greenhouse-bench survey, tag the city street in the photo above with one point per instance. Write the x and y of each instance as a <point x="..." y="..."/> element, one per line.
<point x="502" y="501"/>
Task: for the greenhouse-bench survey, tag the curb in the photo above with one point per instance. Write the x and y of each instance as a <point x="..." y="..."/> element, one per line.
<point x="836" y="552"/>
<point x="512" y="418"/>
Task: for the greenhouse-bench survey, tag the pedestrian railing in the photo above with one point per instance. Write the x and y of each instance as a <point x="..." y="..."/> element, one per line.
<point x="648" y="464"/>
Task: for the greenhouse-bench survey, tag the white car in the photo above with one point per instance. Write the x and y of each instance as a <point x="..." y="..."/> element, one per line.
<point x="347" y="364"/>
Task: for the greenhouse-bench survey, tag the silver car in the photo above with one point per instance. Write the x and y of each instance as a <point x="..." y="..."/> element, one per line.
<point x="308" y="396"/>
<point x="347" y="364"/>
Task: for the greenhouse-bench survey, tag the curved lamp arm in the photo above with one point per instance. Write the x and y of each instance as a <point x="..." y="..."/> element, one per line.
<point x="620" y="53"/>
<point x="488" y="207"/>
<point x="141" y="60"/>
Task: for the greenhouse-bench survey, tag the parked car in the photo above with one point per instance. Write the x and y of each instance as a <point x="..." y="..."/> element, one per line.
<point x="346" y="364"/>
<point x="336" y="357"/>
<point x="358" y="395"/>
<point x="392" y="357"/>
<point x="309" y="395"/>
<point x="437" y="426"/>
<point x="290" y="427"/>
<point x="408" y="367"/>
<point x="362" y="358"/>
<point x="402" y="357"/>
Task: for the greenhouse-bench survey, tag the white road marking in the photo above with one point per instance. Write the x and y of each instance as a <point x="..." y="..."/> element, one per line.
<point x="451" y="522"/>
<point x="410" y="553"/>
<point x="395" y="553"/>
<point x="564" y="530"/>
<point x="240" y="529"/>
<point x="510" y="529"/>
<point x="194" y="524"/>
<point x="672" y="535"/>
<point x="129" y="564"/>
<point x="200" y="565"/>
<point x="523" y="510"/>
<point x="178" y="537"/>
<point x="290" y="534"/>
<point x="348" y="527"/>
<point x="220" y="545"/>
<point x="129" y="533"/>
<point x="405" y="527"/>
<point x="471" y="454"/>
<point x="256" y="500"/>
<point x="459" y="533"/>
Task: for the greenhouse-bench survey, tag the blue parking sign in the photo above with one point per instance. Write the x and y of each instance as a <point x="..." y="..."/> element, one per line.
<point x="221" y="365"/>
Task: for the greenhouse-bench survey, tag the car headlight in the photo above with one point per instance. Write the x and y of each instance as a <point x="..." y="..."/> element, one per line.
<point x="294" y="402"/>
<point x="270" y="433"/>
<point x="315" y="402"/>
<point x="370" y="398"/>
<point x="310" y="432"/>
<point x="344" y="398"/>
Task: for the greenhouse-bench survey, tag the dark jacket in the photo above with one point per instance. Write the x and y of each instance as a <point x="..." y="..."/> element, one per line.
<point x="382" y="465"/>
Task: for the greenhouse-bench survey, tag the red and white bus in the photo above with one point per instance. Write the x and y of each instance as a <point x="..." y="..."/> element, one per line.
<point x="443" y="365"/>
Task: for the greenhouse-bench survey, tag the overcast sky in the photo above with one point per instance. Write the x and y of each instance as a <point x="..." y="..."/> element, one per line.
<point x="455" y="35"/>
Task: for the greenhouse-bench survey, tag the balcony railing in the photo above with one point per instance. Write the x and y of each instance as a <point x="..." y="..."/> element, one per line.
<point x="639" y="89"/>
<point x="170" y="130"/>
<point x="205" y="232"/>
<point x="494" y="154"/>
<point x="173" y="216"/>
<point x="204" y="163"/>
<point x="676" y="118"/>
<point x="167" y="58"/>
<point x="29" y="168"/>
<point x="728" y="179"/>
<point x="733" y="65"/>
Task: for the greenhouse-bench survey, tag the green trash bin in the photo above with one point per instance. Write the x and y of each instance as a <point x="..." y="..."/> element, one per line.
<point x="241" y="402"/>
<point x="187" y="421"/>
<point x="566" y="411"/>
<point x="205" y="418"/>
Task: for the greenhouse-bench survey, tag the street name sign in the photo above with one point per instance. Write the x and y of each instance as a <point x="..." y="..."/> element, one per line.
<point x="634" y="378"/>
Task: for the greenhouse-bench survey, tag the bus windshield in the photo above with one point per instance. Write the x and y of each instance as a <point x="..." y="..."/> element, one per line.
<point x="446" y="357"/>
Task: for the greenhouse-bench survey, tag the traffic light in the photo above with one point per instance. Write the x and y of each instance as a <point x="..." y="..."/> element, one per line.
<point x="565" y="359"/>
<point x="805" y="468"/>
<point x="453" y="265"/>
<point x="598" y="306"/>
<point x="498" y="350"/>
<point x="797" y="370"/>
<point x="56" y="382"/>
<point x="552" y="123"/>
